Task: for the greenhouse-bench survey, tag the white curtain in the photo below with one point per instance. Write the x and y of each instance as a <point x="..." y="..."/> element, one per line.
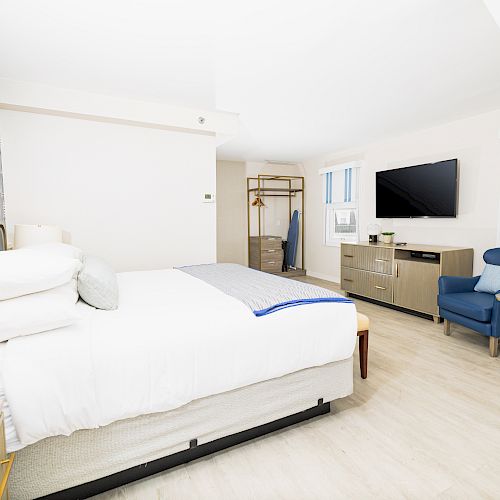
<point x="340" y="185"/>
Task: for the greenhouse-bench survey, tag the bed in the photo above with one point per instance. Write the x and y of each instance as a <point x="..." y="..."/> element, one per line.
<point x="180" y="370"/>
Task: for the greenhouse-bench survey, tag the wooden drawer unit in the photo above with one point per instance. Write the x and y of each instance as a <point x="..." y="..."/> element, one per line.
<point x="374" y="285"/>
<point x="268" y="256"/>
<point x="376" y="259"/>
<point x="405" y="276"/>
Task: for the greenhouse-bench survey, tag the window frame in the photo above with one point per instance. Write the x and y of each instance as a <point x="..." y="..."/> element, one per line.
<point x="329" y="209"/>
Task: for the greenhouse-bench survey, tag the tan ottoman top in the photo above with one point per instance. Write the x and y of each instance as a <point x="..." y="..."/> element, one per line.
<point x="363" y="322"/>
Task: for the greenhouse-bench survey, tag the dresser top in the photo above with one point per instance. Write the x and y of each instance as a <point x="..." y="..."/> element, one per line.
<point x="410" y="246"/>
<point x="267" y="237"/>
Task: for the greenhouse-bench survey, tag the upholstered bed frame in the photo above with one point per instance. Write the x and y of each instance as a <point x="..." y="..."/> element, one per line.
<point x="92" y="461"/>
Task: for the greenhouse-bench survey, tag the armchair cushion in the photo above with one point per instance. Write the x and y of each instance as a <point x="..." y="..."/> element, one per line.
<point x="474" y="305"/>
<point x="457" y="284"/>
<point x="489" y="282"/>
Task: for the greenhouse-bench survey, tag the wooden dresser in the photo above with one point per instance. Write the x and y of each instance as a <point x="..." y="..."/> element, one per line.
<point x="402" y="276"/>
<point x="266" y="253"/>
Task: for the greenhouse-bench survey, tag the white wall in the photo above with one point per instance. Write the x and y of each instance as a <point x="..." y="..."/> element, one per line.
<point x="231" y="212"/>
<point x="129" y="194"/>
<point x="474" y="141"/>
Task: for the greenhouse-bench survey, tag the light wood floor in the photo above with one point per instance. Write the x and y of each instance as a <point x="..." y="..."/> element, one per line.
<point x="425" y="424"/>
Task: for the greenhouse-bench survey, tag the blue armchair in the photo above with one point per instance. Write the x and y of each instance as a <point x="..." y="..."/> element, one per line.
<point x="459" y="303"/>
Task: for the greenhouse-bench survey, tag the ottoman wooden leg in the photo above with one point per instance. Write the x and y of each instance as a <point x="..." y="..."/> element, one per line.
<point x="363" y="353"/>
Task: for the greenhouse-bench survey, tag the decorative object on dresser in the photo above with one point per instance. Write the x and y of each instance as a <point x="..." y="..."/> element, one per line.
<point x="373" y="232"/>
<point x="387" y="237"/>
<point x="404" y="278"/>
<point x="264" y="251"/>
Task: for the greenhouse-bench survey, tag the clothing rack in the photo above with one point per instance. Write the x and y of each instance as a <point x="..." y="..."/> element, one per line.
<point x="283" y="186"/>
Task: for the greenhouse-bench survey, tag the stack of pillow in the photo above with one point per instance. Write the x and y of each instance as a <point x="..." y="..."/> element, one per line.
<point x="40" y="286"/>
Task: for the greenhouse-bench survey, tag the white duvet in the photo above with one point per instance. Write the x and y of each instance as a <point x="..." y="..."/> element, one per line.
<point x="173" y="339"/>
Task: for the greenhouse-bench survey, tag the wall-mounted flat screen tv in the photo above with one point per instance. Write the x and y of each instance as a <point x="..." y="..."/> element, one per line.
<point x="429" y="190"/>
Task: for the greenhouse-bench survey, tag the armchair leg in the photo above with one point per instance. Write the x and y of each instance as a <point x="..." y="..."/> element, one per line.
<point x="493" y="347"/>
<point x="447" y="327"/>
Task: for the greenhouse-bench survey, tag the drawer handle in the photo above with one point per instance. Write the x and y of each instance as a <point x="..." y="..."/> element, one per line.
<point x="270" y="251"/>
<point x="380" y="287"/>
<point x="381" y="260"/>
<point x="347" y="279"/>
<point x="351" y="256"/>
<point x="272" y="262"/>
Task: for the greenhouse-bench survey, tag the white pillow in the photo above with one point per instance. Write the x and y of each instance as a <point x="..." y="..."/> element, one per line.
<point x="27" y="271"/>
<point x="57" y="250"/>
<point x="97" y="284"/>
<point x="38" y="312"/>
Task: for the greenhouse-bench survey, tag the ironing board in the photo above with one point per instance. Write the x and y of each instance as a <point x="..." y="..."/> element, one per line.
<point x="292" y="240"/>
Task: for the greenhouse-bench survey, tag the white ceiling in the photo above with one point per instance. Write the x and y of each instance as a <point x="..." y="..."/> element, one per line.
<point x="306" y="77"/>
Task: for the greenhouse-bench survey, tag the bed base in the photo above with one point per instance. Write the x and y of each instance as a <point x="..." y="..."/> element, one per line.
<point x="194" y="452"/>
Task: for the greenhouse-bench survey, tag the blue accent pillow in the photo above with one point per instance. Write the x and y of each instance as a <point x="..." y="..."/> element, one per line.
<point x="489" y="281"/>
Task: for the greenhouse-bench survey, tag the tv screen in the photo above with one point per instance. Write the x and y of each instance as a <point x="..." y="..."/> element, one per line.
<point x="428" y="190"/>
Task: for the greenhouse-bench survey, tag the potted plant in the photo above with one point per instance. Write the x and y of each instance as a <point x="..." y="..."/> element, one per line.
<point x="388" y="237"/>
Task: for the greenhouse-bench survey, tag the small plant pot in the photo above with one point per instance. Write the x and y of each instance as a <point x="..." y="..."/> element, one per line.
<point x="387" y="238"/>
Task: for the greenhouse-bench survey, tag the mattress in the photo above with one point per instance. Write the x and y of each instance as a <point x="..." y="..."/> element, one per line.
<point x="87" y="455"/>
<point x="173" y="340"/>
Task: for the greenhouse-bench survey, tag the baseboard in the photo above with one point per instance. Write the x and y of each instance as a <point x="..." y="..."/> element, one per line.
<point x="326" y="277"/>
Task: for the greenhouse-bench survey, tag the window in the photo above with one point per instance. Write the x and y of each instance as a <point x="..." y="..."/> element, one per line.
<point x="340" y="197"/>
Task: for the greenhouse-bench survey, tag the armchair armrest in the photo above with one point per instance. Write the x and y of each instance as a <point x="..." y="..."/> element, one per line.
<point x="457" y="284"/>
<point x="495" y="317"/>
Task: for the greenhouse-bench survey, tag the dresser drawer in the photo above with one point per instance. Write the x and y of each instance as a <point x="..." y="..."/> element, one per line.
<point x="271" y="254"/>
<point x="271" y="243"/>
<point x="272" y="266"/>
<point x="266" y="243"/>
<point x="369" y="284"/>
<point x="270" y="260"/>
<point x="376" y="259"/>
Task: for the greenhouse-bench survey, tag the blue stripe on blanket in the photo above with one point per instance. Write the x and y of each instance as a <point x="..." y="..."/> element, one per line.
<point x="298" y="302"/>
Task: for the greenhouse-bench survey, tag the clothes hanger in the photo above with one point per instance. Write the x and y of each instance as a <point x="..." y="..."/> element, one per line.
<point x="258" y="202"/>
